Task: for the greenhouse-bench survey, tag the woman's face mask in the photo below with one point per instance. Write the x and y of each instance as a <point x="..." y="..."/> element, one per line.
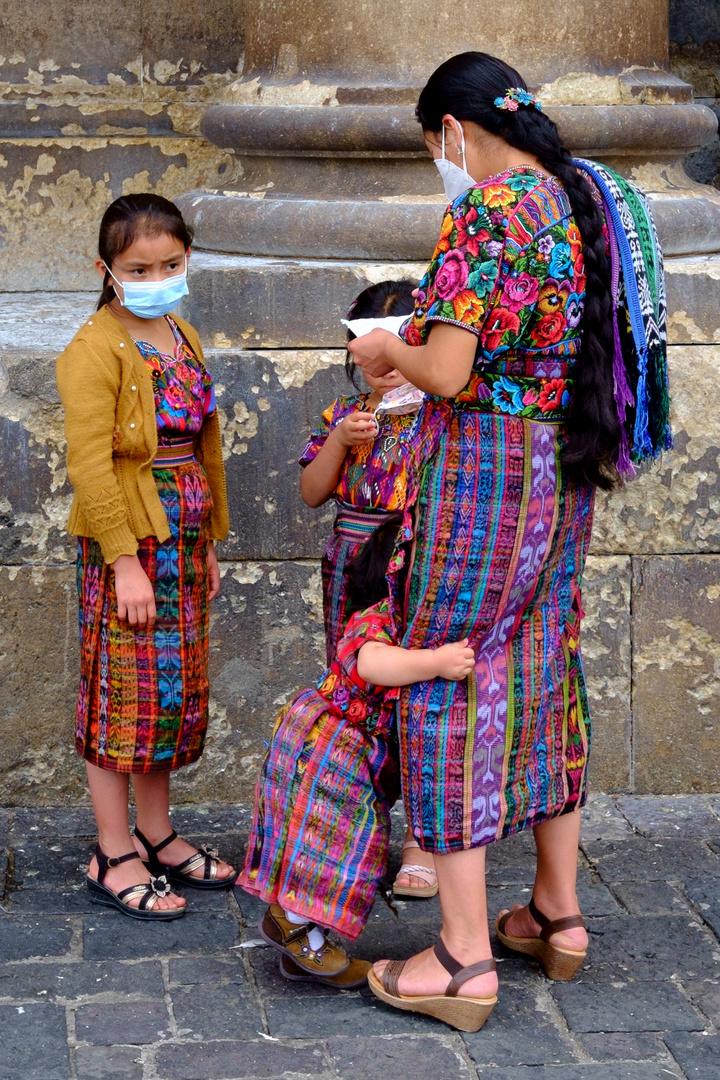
<point x="455" y="180"/>
<point x="153" y="299"/>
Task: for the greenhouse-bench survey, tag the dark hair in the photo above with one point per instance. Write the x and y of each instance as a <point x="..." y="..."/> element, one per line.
<point x="366" y="572"/>
<point x="132" y="216"/>
<point x="466" y="87"/>
<point x="385" y="298"/>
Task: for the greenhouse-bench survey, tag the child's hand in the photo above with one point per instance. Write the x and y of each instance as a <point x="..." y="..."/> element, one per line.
<point x="356" y="429"/>
<point x="135" y="596"/>
<point x="455" y="660"/>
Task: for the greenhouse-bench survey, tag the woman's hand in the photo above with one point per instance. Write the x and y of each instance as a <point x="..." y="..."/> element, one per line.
<point x="213" y="572"/>
<point x="371" y="352"/>
<point x="356" y="429"/>
<point x="135" y="596"/>
<point x="455" y="660"/>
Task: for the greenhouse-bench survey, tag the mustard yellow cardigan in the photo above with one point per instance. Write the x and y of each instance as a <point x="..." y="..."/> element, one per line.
<point x="106" y="390"/>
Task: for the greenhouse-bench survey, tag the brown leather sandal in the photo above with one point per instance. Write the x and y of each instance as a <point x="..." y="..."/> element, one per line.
<point x="353" y="978"/>
<point x="463" y="1013"/>
<point x="149" y="892"/>
<point x="561" y="965"/>
<point x="291" y="940"/>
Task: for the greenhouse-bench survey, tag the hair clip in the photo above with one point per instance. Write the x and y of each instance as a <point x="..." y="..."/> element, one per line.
<point x="351" y="309"/>
<point x="514" y="98"/>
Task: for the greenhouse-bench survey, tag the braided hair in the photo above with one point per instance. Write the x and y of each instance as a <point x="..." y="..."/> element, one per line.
<point x="466" y="87"/>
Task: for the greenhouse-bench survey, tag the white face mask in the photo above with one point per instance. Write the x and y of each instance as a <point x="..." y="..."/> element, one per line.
<point x="455" y="180"/>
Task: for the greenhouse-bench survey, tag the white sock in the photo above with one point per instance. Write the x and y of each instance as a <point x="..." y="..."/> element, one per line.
<point x="316" y="938"/>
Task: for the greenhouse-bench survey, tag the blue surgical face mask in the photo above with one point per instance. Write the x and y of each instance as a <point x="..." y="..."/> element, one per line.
<point x="455" y="180"/>
<point x="152" y="299"/>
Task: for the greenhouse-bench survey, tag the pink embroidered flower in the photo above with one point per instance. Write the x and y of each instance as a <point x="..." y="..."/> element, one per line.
<point x="498" y="325"/>
<point x="530" y="397"/>
<point x="452" y="275"/>
<point x="520" y="292"/>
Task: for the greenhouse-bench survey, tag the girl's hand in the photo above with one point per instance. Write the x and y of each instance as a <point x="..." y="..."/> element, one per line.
<point x="455" y="660"/>
<point x="213" y="572"/>
<point x="135" y="596"/>
<point x="371" y="352"/>
<point x="356" y="429"/>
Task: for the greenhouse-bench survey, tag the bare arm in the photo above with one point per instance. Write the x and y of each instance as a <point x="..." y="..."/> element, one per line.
<point x="319" y="479"/>
<point x="391" y="665"/>
<point x="441" y="367"/>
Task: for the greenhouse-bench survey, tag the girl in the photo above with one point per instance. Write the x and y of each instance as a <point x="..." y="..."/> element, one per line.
<point x="144" y="459"/>
<point x="318" y="843"/>
<point x="371" y="467"/>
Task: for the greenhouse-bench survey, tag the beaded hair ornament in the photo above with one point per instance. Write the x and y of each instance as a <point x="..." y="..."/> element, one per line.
<point x="514" y="98"/>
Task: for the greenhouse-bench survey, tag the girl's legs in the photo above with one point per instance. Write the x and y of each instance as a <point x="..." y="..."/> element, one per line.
<point x="557" y="842"/>
<point x="109" y="793"/>
<point x="152" y="803"/>
<point x="461" y="876"/>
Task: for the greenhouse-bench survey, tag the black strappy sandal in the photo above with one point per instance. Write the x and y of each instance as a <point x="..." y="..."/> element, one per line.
<point x="149" y="894"/>
<point x="183" y="873"/>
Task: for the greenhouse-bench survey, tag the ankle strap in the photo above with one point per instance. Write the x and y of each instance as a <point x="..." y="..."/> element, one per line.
<point x="152" y="849"/>
<point x="549" y="927"/>
<point x="105" y="862"/>
<point x="459" y="973"/>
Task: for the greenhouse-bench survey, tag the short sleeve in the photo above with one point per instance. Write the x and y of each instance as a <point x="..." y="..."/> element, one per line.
<point x="329" y="420"/>
<point x="374" y="624"/>
<point x="458" y="285"/>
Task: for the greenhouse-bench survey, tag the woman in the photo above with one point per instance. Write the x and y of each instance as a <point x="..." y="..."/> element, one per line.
<point x="516" y="320"/>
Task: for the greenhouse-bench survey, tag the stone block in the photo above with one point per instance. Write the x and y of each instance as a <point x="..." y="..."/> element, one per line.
<point x="62" y="900"/>
<point x="266" y="973"/>
<point x="43" y="865"/>
<point x="651" y="948"/>
<point x="697" y="1055"/>
<point x="27" y="939"/>
<point x="76" y="981"/>
<point x="504" y="1040"/>
<point x="377" y="1059"/>
<point x="676" y="666"/>
<point x="342" y="1014"/>
<point x="51" y="823"/>
<point x="227" y="1060"/>
<point x="622" y="1046"/>
<point x="641" y="859"/>
<point x="601" y="819"/>
<point x="705" y="995"/>
<point x="650" y="898"/>
<point x="633" y="1006"/>
<point x="108" y="1063"/>
<point x="625" y="1070"/>
<point x="34" y="1043"/>
<point x="662" y="818"/>
<point x="215" y="1012"/>
<point x="198" y="970"/>
<point x="703" y="894"/>
<point x="133" y="1022"/>
<point x="606" y="635"/>
<point x="693" y="288"/>
<point x="113" y="937"/>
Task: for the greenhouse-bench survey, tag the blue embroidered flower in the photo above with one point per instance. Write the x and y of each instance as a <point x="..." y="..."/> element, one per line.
<point x="508" y="395"/>
<point x="560" y="261"/>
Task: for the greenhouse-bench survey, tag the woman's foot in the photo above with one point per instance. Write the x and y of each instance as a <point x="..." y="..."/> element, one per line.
<point x="424" y="975"/>
<point x="132" y="873"/>
<point x="521" y="924"/>
<point x="407" y="883"/>
<point x="178" y="852"/>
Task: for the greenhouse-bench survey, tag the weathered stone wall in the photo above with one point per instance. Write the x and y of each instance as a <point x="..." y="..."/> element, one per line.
<point x="695" y="57"/>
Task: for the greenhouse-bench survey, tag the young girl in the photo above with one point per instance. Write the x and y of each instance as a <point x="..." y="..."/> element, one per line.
<point x="144" y="458"/>
<point x="318" y="844"/>
<point x="371" y="467"/>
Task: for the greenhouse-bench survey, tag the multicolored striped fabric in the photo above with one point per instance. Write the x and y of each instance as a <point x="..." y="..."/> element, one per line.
<point x="143" y="701"/>
<point x="319" y="838"/>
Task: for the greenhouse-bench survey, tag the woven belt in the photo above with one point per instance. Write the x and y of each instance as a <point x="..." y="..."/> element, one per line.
<point x="527" y="397"/>
<point x="174" y="452"/>
<point x="354" y="524"/>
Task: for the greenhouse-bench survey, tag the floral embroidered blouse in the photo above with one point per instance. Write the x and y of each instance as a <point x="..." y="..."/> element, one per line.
<point x="183" y="388"/>
<point x="379" y="474"/>
<point x="509" y="267"/>
<point x="358" y="702"/>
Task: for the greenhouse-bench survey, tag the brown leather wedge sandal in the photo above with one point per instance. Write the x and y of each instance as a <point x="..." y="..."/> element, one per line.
<point x="147" y="891"/>
<point x="561" y="965"/>
<point x="463" y="1013"/>
<point x="291" y="939"/>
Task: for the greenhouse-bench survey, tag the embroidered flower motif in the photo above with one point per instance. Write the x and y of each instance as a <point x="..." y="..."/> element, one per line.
<point x="574" y="240"/>
<point x="520" y="292"/>
<point x="452" y="275"/>
<point x="468" y="306"/>
<point x="444" y="243"/>
<point x="500" y="323"/>
<point x="561" y="261"/>
<point x="470" y="232"/>
<point x="495" y="195"/>
<point x="507" y="395"/>
<point x="549" y="330"/>
<point x="551" y="395"/>
<point x="550" y="298"/>
<point x="574" y="310"/>
<point x="546" y="244"/>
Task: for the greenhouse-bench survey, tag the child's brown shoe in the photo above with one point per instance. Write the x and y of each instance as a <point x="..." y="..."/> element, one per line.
<point x="292" y="941"/>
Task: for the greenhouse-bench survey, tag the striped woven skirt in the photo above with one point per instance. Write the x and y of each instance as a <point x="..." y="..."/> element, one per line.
<point x="500" y="548"/>
<point x="319" y="839"/>
<point x="143" y="700"/>
<point x="352" y="527"/>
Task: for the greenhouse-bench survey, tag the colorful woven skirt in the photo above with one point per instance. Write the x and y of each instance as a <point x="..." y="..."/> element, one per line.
<point x="501" y="542"/>
<point x="319" y="839"/>
<point x="352" y="528"/>
<point x="143" y="701"/>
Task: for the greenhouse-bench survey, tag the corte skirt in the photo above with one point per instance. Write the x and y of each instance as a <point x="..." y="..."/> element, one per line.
<point x="143" y="699"/>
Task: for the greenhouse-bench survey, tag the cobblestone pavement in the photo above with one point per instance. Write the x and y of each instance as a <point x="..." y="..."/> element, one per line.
<point x="87" y="993"/>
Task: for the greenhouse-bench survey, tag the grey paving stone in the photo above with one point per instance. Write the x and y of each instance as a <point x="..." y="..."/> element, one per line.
<point x="505" y="1039"/>
<point x="251" y="907"/>
<point x="60" y="901"/>
<point x="51" y="864"/>
<point x="270" y="982"/>
<point x="697" y="1055"/>
<point x="653" y="947"/>
<point x="661" y="816"/>
<point x="5" y="819"/>
<point x="190" y="820"/>
<point x="705" y="895"/>
<point x="113" y="936"/>
<point x="69" y="982"/>
<point x="135" y="1023"/>
<point x="512" y="860"/>
<point x="215" y="1012"/>
<point x="21" y="939"/>
<point x="623" y="1046"/>
<point x="601" y="820"/>
<point x="634" y="1070"/>
<point x="381" y="940"/>
<point x="705" y="993"/>
<point x="3" y="873"/>
<point x="225" y="1060"/>
<point x="220" y="900"/>
<point x="649" y="897"/>
<point x="34" y="1043"/>
<point x="642" y="859"/>
<point x="595" y="898"/>
<point x="342" y="1014"/>
<point x="191" y="970"/>
<point x="31" y="824"/>
<point x="108" y="1063"/>
<point x="634" y="1006"/>
<point x="421" y="1058"/>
